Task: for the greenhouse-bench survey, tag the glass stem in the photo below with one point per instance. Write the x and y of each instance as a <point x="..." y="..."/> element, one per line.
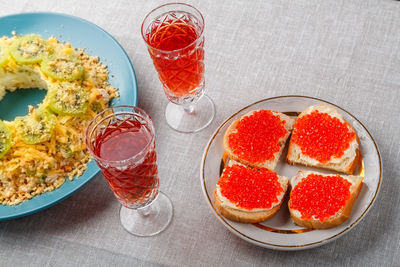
<point x="145" y="211"/>
<point x="189" y="108"/>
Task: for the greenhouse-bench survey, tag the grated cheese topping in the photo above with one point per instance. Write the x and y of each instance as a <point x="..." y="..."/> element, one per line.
<point x="27" y="170"/>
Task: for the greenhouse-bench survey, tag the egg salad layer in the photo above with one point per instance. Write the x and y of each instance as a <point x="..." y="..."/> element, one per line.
<point x="40" y="150"/>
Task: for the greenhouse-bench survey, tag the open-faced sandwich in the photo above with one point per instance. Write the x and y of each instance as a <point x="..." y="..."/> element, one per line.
<point x="258" y="138"/>
<point x="321" y="201"/>
<point x="249" y="195"/>
<point x="322" y="138"/>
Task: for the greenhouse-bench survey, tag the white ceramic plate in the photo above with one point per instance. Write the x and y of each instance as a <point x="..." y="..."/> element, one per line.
<point x="280" y="232"/>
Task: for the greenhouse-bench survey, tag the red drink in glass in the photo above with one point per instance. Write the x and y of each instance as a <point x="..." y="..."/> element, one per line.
<point x="176" y="45"/>
<point x="183" y="74"/>
<point x="134" y="184"/>
<point x="121" y="139"/>
<point x="174" y="35"/>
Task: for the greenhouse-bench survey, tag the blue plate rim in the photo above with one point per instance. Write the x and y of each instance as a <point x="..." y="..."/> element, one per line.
<point x="94" y="173"/>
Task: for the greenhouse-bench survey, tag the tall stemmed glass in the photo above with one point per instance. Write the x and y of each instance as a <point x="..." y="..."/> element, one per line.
<point x="121" y="139"/>
<point x="174" y="34"/>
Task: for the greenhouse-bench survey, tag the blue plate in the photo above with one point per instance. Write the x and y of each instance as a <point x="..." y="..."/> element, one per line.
<point x="83" y="34"/>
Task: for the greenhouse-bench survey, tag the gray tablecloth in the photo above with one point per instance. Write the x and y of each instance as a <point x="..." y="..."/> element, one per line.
<point x="346" y="52"/>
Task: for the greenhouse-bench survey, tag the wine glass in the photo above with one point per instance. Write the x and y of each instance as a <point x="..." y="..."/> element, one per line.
<point x="174" y="34"/>
<point x="121" y="139"/>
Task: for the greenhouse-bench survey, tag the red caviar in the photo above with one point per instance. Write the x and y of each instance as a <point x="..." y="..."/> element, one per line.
<point x="250" y="188"/>
<point x="320" y="196"/>
<point x="321" y="136"/>
<point x="257" y="136"/>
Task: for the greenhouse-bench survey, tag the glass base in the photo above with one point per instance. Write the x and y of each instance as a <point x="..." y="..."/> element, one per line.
<point x="150" y="220"/>
<point x="190" y="119"/>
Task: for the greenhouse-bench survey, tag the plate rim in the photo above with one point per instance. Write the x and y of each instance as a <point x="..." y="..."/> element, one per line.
<point x="96" y="170"/>
<point x="277" y="246"/>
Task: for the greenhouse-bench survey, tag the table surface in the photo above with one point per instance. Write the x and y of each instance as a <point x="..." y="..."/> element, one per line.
<point x="346" y="52"/>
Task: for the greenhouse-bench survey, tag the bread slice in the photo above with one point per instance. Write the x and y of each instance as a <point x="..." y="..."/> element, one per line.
<point x="347" y="163"/>
<point x="231" y="211"/>
<point x="340" y="216"/>
<point x="269" y="164"/>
